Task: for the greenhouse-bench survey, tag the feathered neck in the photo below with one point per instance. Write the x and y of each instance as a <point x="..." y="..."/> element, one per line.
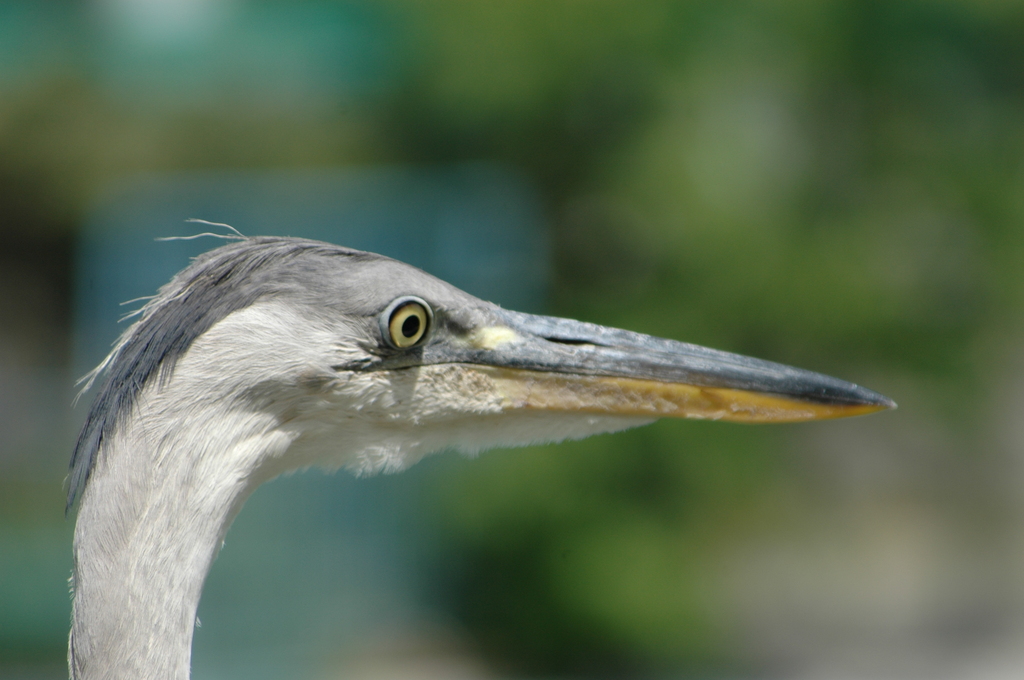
<point x="163" y="490"/>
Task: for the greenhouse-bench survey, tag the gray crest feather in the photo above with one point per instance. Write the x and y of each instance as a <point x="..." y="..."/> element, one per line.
<point x="215" y="284"/>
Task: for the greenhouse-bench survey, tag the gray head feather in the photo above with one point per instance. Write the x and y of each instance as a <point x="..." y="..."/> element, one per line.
<point x="216" y="284"/>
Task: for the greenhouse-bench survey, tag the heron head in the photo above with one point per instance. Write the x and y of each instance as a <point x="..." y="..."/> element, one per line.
<point x="370" y="363"/>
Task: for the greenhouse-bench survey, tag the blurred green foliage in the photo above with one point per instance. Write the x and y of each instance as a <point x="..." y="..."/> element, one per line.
<point x="834" y="185"/>
<point x="838" y="185"/>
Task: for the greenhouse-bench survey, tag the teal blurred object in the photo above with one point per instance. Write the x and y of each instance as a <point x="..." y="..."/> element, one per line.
<point x="314" y="562"/>
<point x="284" y="53"/>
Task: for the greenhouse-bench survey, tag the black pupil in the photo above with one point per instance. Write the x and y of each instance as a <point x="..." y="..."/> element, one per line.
<point x="411" y="326"/>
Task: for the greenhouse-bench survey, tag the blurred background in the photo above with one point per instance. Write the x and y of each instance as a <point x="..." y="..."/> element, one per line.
<point x="837" y="185"/>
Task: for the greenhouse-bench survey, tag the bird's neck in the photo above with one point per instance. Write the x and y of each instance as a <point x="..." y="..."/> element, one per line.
<point x="151" y="521"/>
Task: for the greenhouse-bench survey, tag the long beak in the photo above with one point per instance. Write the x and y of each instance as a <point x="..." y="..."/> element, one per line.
<point x="548" y="363"/>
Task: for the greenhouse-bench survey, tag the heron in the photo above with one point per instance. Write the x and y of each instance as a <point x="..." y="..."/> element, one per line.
<point x="271" y="354"/>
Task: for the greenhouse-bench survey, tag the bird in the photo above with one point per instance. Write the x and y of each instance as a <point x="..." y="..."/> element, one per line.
<point x="270" y="354"/>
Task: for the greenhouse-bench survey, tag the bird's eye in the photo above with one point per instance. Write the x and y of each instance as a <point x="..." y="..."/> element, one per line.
<point x="408" y="320"/>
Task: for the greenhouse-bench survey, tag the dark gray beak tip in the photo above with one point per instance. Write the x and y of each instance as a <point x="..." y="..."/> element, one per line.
<point x="884" y="401"/>
<point x="863" y="396"/>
